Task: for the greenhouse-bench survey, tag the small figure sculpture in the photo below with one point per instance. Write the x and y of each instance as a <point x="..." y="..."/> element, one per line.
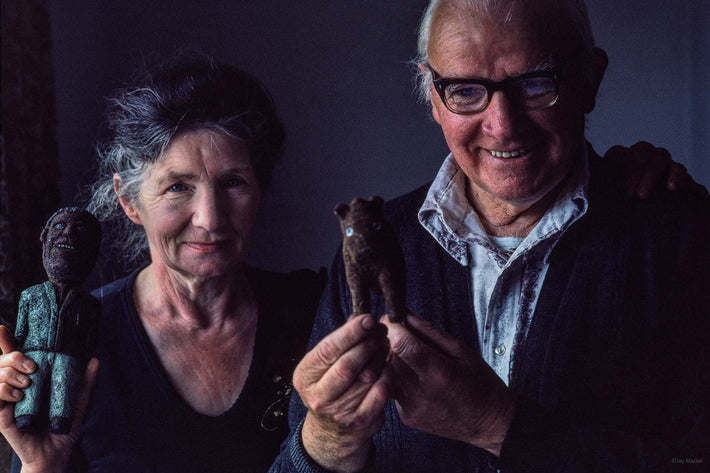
<point x="373" y="258"/>
<point x="57" y="321"/>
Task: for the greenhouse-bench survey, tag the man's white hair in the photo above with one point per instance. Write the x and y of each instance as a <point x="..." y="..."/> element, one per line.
<point x="502" y="9"/>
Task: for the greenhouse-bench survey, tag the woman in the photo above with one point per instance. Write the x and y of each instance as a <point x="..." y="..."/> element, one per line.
<point x="195" y="349"/>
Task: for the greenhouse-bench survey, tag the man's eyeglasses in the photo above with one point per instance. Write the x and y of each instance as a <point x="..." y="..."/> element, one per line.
<point x="533" y="90"/>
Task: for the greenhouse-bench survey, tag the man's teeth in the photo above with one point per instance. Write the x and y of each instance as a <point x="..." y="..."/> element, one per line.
<point x="508" y="154"/>
<point x="63" y="245"/>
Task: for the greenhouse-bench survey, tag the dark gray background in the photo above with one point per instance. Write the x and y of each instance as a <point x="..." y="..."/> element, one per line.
<point x="338" y="72"/>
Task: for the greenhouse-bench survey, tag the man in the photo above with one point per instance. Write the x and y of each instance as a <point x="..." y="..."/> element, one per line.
<point x="57" y="321"/>
<point x="559" y="324"/>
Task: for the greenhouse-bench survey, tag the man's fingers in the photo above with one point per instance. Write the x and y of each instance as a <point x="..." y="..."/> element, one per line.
<point x="377" y="396"/>
<point x="324" y="355"/>
<point x="404" y="379"/>
<point x="409" y="346"/>
<point x="361" y="364"/>
<point x="7" y="341"/>
<point x="419" y="331"/>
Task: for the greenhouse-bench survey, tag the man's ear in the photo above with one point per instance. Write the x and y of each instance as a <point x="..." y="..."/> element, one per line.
<point x="598" y="62"/>
<point x="432" y="93"/>
<point x="126" y="204"/>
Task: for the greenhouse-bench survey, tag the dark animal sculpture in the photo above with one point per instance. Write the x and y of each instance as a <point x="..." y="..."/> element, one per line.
<point x="373" y="258"/>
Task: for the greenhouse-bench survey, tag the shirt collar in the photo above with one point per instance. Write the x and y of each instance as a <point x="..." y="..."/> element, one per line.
<point x="450" y="219"/>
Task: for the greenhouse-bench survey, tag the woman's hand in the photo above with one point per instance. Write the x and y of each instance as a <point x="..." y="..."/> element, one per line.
<point x="41" y="451"/>
<point x="648" y="168"/>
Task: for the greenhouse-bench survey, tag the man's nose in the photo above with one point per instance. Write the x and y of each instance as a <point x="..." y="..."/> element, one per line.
<point x="208" y="212"/>
<point x="500" y="117"/>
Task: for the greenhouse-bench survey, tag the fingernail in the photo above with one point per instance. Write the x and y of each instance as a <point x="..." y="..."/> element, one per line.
<point x="368" y="322"/>
<point x="16" y="394"/>
<point x="29" y="365"/>
<point x="22" y="379"/>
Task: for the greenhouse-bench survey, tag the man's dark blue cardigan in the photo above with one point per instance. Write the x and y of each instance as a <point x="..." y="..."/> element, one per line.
<point x="613" y="375"/>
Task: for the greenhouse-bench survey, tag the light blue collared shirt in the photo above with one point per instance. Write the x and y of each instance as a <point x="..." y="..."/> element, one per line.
<point x="506" y="273"/>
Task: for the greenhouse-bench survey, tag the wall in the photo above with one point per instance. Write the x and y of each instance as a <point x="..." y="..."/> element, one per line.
<point x="339" y="74"/>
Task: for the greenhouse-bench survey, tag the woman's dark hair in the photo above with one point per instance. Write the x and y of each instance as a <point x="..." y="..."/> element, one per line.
<point x="184" y="94"/>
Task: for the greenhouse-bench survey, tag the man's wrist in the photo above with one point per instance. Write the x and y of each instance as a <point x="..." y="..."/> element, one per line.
<point x="334" y="452"/>
<point x="491" y="437"/>
<point x="48" y="467"/>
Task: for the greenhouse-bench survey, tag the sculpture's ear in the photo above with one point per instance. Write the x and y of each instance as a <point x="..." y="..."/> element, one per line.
<point x="341" y="210"/>
<point x="377" y="201"/>
<point x="43" y="235"/>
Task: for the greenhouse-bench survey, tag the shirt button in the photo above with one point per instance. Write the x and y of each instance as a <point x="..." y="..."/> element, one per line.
<point x="499" y="350"/>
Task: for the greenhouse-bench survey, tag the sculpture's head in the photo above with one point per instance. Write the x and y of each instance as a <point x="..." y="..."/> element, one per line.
<point x="70" y="244"/>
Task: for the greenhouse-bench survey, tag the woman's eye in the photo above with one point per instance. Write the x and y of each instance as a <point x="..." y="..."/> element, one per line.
<point x="177" y="188"/>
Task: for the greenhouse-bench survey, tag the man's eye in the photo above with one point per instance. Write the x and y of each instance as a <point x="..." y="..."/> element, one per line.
<point x="466" y="92"/>
<point x="536" y="86"/>
<point x="60" y="225"/>
<point x="235" y="182"/>
<point x="177" y="188"/>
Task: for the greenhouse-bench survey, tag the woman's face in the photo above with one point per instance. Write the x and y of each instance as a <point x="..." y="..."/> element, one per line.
<point x="197" y="205"/>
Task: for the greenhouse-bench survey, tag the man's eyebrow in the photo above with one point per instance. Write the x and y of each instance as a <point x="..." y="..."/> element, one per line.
<point x="545" y="65"/>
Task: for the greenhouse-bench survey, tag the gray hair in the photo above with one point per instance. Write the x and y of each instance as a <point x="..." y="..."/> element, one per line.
<point x="503" y="9"/>
<point x="182" y="95"/>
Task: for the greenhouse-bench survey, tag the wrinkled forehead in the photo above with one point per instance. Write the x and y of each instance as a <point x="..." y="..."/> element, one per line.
<point x="545" y="27"/>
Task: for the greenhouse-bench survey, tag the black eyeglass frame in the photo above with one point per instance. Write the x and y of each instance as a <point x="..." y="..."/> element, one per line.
<point x="440" y="84"/>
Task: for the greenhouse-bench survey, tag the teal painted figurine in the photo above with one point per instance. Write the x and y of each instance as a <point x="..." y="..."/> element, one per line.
<point x="57" y="321"/>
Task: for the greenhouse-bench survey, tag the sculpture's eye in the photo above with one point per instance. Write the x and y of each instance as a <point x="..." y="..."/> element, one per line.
<point x="349" y="232"/>
<point x="376" y="226"/>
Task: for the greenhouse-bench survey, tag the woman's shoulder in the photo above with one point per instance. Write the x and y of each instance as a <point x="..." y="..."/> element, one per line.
<point x="116" y="287"/>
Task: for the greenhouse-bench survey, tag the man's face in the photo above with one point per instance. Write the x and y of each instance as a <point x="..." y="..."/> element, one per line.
<point x="509" y="154"/>
<point x="68" y="248"/>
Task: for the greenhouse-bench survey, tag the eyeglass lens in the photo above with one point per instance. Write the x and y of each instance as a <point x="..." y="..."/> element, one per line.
<point x="528" y="92"/>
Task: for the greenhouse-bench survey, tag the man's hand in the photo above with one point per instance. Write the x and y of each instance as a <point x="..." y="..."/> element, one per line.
<point x="648" y="168"/>
<point x="444" y="388"/>
<point x="342" y="383"/>
<point x="42" y="451"/>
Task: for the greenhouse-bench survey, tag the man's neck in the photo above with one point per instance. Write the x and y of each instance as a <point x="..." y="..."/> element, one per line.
<point x="505" y="219"/>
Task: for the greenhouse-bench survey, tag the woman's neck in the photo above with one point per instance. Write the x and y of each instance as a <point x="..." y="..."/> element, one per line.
<point x="199" y="303"/>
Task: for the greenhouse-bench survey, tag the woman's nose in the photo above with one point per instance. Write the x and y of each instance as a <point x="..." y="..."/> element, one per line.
<point x="207" y="212"/>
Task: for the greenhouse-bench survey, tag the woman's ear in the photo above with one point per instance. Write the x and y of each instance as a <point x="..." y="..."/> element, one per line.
<point x="126" y="204"/>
